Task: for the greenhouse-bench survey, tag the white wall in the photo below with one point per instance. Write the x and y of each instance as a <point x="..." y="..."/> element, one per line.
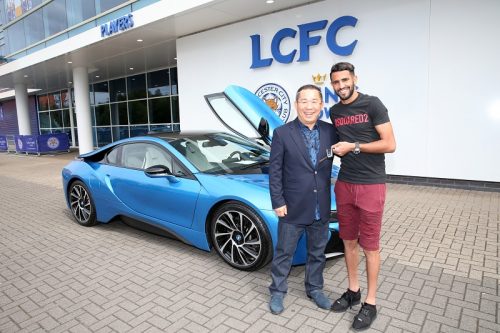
<point x="433" y="64"/>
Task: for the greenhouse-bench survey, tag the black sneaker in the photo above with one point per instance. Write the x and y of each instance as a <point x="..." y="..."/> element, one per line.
<point x="346" y="301"/>
<point x="365" y="317"/>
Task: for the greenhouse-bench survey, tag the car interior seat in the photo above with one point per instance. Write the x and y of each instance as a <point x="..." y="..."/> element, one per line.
<point x="195" y="156"/>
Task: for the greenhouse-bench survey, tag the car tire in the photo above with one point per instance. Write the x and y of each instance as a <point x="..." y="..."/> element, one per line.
<point x="241" y="237"/>
<point x="81" y="204"/>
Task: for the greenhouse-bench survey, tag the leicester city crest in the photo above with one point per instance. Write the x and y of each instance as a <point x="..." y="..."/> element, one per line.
<point x="52" y="142"/>
<point x="276" y="98"/>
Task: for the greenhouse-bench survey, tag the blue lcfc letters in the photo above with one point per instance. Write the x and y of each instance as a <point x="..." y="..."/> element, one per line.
<point x="305" y="40"/>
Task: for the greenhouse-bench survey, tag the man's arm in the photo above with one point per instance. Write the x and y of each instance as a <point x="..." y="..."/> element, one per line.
<point x="386" y="144"/>
<point x="276" y="175"/>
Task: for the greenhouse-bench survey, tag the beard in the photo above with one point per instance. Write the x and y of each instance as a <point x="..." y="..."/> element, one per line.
<point x="349" y="94"/>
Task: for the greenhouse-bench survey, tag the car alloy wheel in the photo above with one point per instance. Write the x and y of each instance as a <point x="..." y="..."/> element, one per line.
<point x="240" y="237"/>
<point x="81" y="204"/>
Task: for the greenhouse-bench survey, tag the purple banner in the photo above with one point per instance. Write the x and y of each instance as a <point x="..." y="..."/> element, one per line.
<point x="3" y="143"/>
<point x="42" y="143"/>
<point x="26" y="143"/>
<point x="53" y="142"/>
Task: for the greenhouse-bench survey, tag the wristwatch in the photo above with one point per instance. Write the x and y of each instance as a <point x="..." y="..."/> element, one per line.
<point x="357" y="149"/>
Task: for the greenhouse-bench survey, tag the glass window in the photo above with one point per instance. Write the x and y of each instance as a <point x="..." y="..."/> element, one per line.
<point x="65" y="99"/>
<point x="103" y="136"/>
<point x="104" y="5"/>
<point x="33" y="25"/>
<point x="138" y="130"/>
<point x="56" y="119"/>
<point x="16" y="37"/>
<point x="66" y="120"/>
<point x="44" y="119"/>
<point x="43" y="102"/>
<point x="102" y="115"/>
<point x="159" y="110"/>
<point x="175" y="109"/>
<point x="161" y="128"/>
<point x="173" y="80"/>
<point x="54" y="17"/>
<point x="136" y="86"/>
<point x="101" y="93"/>
<point x="112" y="157"/>
<point x="120" y="132"/>
<point x="55" y="101"/>
<point x="158" y="83"/>
<point x="138" y="112"/>
<point x="155" y="155"/>
<point x="117" y="90"/>
<point x="79" y="10"/>
<point x="119" y="114"/>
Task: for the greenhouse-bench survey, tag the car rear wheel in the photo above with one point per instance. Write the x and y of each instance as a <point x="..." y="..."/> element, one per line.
<point x="81" y="204"/>
<point x="240" y="237"/>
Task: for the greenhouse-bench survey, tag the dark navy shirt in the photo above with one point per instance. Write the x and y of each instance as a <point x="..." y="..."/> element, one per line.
<point x="311" y="139"/>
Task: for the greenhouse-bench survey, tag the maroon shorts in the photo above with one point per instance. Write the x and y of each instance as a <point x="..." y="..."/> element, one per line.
<point x="360" y="208"/>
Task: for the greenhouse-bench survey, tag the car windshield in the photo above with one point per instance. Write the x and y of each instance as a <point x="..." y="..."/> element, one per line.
<point x="221" y="152"/>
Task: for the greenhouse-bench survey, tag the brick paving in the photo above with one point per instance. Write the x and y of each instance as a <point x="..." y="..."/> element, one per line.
<point x="440" y="269"/>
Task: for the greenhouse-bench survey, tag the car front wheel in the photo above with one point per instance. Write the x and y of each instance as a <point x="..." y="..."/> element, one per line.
<point x="81" y="204"/>
<point x="240" y="237"/>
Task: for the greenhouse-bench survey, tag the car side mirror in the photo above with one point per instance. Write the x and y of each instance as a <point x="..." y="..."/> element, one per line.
<point x="161" y="171"/>
<point x="263" y="127"/>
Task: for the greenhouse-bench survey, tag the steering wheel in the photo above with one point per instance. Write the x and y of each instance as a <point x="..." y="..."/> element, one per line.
<point x="236" y="152"/>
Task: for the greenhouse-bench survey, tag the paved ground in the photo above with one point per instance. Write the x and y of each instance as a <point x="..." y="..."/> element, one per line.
<point x="440" y="270"/>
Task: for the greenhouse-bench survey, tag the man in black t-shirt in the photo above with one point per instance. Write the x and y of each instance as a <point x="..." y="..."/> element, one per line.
<point x="365" y="134"/>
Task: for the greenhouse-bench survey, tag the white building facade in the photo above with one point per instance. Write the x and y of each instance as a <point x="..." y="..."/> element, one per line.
<point x="433" y="63"/>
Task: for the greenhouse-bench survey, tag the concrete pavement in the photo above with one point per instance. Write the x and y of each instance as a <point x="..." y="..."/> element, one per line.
<point x="440" y="270"/>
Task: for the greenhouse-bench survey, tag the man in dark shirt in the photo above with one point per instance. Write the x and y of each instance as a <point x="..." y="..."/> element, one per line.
<point x="365" y="134"/>
<point x="299" y="182"/>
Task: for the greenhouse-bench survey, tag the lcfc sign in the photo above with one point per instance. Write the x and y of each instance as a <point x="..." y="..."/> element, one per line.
<point x="120" y="24"/>
<point x="306" y="40"/>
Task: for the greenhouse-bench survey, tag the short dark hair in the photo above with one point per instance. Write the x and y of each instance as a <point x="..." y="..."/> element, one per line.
<point x="342" y="66"/>
<point x="308" y="86"/>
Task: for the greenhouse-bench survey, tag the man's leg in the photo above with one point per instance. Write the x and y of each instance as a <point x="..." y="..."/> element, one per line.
<point x="348" y="215"/>
<point x="351" y="254"/>
<point x="288" y="236"/>
<point x="317" y="238"/>
<point x="372" y="269"/>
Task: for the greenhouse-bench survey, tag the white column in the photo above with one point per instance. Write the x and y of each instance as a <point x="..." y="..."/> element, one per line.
<point x="23" y="112"/>
<point x="71" y="120"/>
<point x="82" y="105"/>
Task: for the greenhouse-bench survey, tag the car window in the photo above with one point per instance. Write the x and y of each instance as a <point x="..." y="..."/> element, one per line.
<point x="133" y="155"/>
<point x="112" y="156"/>
<point x="155" y="155"/>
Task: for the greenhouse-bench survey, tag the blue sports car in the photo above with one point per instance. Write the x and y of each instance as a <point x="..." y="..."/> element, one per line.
<point x="207" y="189"/>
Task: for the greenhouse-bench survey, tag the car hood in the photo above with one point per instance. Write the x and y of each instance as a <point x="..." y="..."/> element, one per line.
<point x="261" y="180"/>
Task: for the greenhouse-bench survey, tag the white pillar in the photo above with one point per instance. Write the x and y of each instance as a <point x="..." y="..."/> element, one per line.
<point x="82" y="105"/>
<point x="23" y="112"/>
<point x="71" y="120"/>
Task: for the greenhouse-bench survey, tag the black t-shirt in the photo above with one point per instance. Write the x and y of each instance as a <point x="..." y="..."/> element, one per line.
<point x="356" y="122"/>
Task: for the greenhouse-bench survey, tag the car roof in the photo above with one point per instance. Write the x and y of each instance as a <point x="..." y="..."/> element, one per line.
<point x="169" y="136"/>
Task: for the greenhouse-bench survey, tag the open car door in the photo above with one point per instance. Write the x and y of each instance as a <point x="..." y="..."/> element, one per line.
<point x="244" y="114"/>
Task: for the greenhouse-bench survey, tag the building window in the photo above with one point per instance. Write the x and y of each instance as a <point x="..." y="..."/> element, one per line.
<point x="136" y="86"/>
<point x="120" y="108"/>
<point x="159" y="83"/>
<point x="16" y="38"/>
<point x="54" y="17"/>
<point x="33" y="26"/>
<point x="104" y="5"/>
<point x="79" y="11"/>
